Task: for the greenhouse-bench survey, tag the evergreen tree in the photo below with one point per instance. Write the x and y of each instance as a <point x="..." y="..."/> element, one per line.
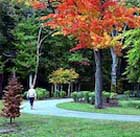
<point x="12" y="99"/>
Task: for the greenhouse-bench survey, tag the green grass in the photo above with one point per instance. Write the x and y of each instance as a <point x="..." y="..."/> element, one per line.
<point x="127" y="107"/>
<point x="44" y="126"/>
<point x="0" y="104"/>
<point x="48" y="126"/>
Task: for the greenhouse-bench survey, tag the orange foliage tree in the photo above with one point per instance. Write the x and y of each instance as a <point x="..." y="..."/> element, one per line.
<point x="12" y="99"/>
<point x="92" y="22"/>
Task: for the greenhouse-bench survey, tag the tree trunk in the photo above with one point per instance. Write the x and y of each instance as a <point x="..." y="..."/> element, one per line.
<point x="52" y="90"/>
<point x="61" y="87"/>
<point x="69" y="86"/>
<point x="72" y="87"/>
<point x="79" y="87"/>
<point x="1" y="84"/>
<point x="114" y="71"/>
<point x="98" y="80"/>
<point x="30" y="80"/>
<point x="11" y="120"/>
<point x="55" y="87"/>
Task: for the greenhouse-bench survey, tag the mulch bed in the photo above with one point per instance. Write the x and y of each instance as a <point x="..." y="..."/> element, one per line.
<point x="8" y="128"/>
<point x="112" y="103"/>
<point x="6" y="131"/>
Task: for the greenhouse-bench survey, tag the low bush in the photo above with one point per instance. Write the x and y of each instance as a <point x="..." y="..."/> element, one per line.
<point x="80" y="96"/>
<point x="62" y="94"/>
<point x="109" y="95"/>
<point x="24" y="95"/>
<point x="56" y="94"/>
<point x="74" y="96"/>
<point x="89" y="97"/>
<point x="127" y="93"/>
<point x="92" y="97"/>
<point x="106" y="96"/>
<point x="42" y="93"/>
<point x="113" y="95"/>
<point x="86" y="96"/>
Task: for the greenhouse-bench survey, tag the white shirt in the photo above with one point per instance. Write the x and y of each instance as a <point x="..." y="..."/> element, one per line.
<point x="31" y="93"/>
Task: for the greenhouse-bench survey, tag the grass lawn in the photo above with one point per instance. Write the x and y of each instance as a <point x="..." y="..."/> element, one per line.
<point x="47" y="126"/>
<point x="127" y="107"/>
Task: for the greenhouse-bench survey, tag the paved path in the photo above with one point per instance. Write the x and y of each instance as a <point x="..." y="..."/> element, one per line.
<point x="48" y="107"/>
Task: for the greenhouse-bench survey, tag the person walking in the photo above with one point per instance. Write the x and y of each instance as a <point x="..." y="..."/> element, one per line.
<point x="31" y="95"/>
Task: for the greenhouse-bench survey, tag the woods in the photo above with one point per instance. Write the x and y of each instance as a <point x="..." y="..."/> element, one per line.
<point x="79" y="34"/>
<point x="66" y="59"/>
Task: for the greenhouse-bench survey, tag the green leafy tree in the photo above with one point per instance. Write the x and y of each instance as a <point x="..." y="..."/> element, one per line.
<point x="132" y="43"/>
<point x="63" y="76"/>
<point x="26" y="39"/>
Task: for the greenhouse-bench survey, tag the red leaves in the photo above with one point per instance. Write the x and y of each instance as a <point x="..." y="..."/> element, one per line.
<point x="108" y="4"/>
<point x="91" y="22"/>
<point x="78" y="47"/>
<point x="39" y="5"/>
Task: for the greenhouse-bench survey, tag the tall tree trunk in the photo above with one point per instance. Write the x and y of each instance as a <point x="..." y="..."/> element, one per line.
<point x="79" y="87"/>
<point x="11" y="120"/>
<point x="40" y="40"/>
<point x="115" y="61"/>
<point x="69" y="88"/>
<point x="72" y="87"/>
<point x="98" y="80"/>
<point x="114" y="71"/>
<point x="61" y="87"/>
<point x="30" y="80"/>
<point x="1" y="84"/>
<point x="52" y="90"/>
<point x="55" y="87"/>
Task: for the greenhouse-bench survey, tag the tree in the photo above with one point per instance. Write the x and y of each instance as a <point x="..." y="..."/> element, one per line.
<point x="131" y="3"/>
<point x="116" y="58"/>
<point x="132" y="44"/>
<point x="12" y="99"/>
<point x="11" y="14"/>
<point x="91" y="22"/>
<point x="63" y="76"/>
<point x="7" y="23"/>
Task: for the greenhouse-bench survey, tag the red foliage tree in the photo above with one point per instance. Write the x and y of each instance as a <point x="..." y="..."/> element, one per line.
<point x="12" y="99"/>
<point x="92" y="22"/>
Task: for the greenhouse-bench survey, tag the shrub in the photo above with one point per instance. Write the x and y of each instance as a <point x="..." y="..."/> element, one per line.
<point x="127" y="93"/>
<point x="86" y="96"/>
<point x="42" y="93"/>
<point x="92" y="97"/>
<point x="74" y="96"/>
<point x="106" y="96"/>
<point x="24" y="95"/>
<point x="62" y="94"/>
<point x="113" y="95"/>
<point x="56" y="94"/>
<point x="80" y="96"/>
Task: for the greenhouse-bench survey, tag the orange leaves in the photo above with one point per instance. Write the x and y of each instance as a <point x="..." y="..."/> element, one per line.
<point x="118" y="49"/>
<point x="78" y="46"/>
<point x="101" y="41"/>
<point x="91" y="21"/>
<point x="38" y="5"/>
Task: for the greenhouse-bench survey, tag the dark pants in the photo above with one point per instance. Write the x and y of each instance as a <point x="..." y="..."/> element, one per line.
<point x="31" y="99"/>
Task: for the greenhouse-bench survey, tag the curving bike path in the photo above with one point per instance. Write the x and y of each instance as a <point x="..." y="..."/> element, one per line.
<point x="48" y="107"/>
